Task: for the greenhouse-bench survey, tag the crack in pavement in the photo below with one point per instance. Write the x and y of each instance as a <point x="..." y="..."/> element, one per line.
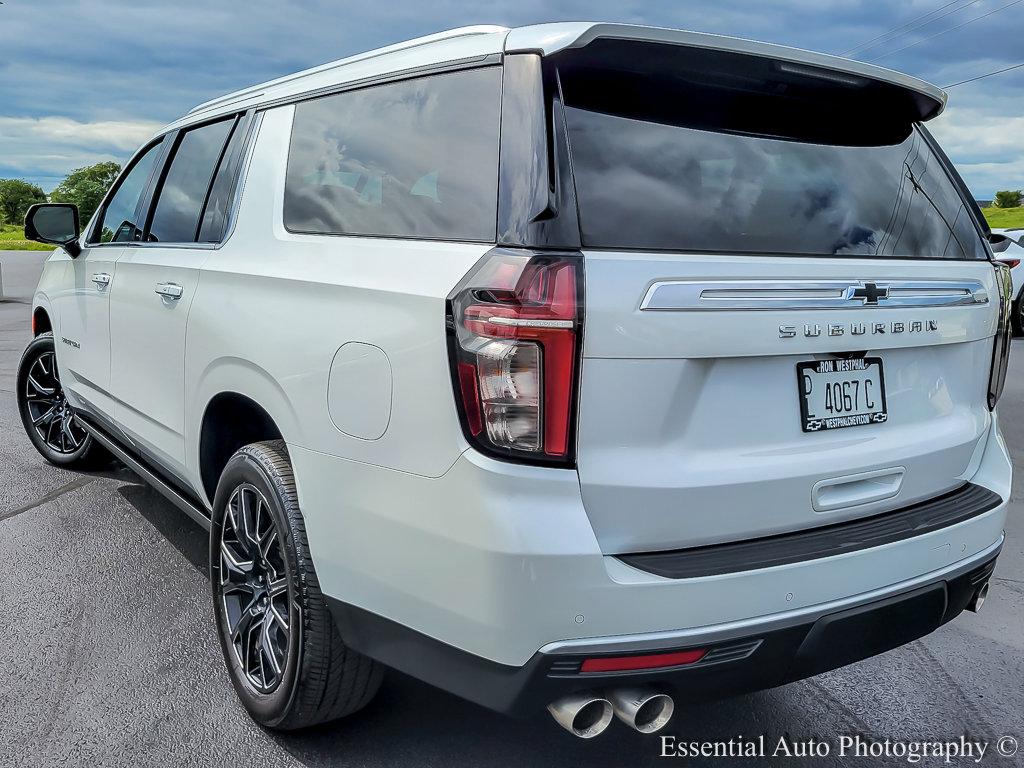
<point x="65" y="675"/>
<point x="56" y="493"/>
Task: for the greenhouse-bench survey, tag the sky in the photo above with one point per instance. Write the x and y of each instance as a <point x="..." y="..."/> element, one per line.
<point x="88" y="80"/>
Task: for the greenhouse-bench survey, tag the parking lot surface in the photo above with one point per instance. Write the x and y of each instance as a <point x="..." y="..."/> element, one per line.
<point x="108" y="654"/>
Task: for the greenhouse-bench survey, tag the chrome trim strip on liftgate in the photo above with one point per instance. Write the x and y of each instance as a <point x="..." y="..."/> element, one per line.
<point x="685" y="295"/>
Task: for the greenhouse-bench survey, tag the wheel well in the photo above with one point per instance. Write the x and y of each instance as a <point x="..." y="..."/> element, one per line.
<point x="230" y="422"/>
<point x="41" y="322"/>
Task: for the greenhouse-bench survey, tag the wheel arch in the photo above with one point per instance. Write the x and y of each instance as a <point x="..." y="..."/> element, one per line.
<point x="42" y="317"/>
<point x="241" y="404"/>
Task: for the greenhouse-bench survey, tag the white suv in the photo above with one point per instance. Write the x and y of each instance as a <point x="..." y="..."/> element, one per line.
<point x="576" y="365"/>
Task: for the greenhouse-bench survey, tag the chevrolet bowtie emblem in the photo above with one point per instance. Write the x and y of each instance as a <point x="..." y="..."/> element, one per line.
<point x="868" y="293"/>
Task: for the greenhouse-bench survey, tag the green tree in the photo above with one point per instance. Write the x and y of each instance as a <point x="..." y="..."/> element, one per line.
<point x="16" y="196"/>
<point x="1008" y="198"/>
<point x="85" y="187"/>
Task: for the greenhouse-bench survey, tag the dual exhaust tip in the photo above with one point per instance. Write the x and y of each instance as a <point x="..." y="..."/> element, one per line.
<point x="587" y="715"/>
<point x="978" y="598"/>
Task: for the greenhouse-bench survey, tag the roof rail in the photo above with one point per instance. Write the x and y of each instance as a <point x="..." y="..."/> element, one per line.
<point x="255" y="90"/>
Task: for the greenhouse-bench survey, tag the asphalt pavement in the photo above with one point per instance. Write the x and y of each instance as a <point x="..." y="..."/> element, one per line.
<point x="108" y="654"/>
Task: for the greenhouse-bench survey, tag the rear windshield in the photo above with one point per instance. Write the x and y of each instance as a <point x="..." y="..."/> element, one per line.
<point x="665" y="162"/>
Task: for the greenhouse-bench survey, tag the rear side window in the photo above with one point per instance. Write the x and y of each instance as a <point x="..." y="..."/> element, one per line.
<point x="668" y="161"/>
<point x="119" y="222"/>
<point x="215" y="217"/>
<point x="416" y="158"/>
<point x="187" y="183"/>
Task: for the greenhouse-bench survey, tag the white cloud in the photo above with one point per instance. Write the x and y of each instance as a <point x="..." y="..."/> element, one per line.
<point x="50" y="147"/>
<point x="984" y="145"/>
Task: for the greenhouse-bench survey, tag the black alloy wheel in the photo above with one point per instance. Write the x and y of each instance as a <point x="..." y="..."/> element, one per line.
<point x="50" y="421"/>
<point x="283" y="651"/>
<point x="52" y="418"/>
<point x="258" y="612"/>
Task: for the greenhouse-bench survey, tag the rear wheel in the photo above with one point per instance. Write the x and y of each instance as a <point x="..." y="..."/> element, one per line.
<point x="284" y="654"/>
<point x="49" y="421"/>
<point x="1018" y="316"/>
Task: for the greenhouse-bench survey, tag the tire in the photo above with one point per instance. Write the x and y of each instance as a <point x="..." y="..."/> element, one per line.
<point x="1017" y="320"/>
<point x="297" y="671"/>
<point x="46" y="415"/>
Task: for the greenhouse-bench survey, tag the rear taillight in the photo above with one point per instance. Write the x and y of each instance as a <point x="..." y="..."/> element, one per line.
<point x="1004" y="333"/>
<point x="514" y="325"/>
<point x="1010" y="262"/>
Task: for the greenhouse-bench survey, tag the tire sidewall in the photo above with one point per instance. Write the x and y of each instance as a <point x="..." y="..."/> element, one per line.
<point x="271" y="708"/>
<point x="39" y="346"/>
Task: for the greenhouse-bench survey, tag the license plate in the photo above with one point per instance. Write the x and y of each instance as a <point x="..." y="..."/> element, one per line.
<point x="841" y="393"/>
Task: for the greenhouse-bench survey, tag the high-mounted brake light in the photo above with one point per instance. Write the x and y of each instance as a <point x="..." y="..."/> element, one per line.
<point x="1004" y="334"/>
<point x="515" y="333"/>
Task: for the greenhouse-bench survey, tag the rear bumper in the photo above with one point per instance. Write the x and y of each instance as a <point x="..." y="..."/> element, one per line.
<point x="500" y="560"/>
<point x="774" y="651"/>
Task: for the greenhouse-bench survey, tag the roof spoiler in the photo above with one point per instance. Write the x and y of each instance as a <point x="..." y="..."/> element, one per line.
<point x="546" y="40"/>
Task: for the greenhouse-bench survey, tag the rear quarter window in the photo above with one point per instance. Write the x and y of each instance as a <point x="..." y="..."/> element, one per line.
<point x="416" y="158"/>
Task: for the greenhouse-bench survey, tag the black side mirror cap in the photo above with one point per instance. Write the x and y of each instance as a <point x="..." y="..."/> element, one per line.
<point x="54" y="224"/>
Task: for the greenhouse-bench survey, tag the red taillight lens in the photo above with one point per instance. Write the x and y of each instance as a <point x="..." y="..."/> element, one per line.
<point x="647" y="661"/>
<point x="515" y="323"/>
<point x="1010" y="262"/>
<point x="1004" y="334"/>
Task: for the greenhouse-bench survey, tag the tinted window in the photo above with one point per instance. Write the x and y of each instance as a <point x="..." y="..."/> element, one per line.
<point x="417" y="158"/>
<point x="184" y="189"/>
<point x="657" y="168"/>
<point x="118" y="223"/>
<point x="215" y="216"/>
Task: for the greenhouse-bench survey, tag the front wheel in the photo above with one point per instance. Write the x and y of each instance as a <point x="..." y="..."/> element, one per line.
<point x="284" y="654"/>
<point x="49" y="420"/>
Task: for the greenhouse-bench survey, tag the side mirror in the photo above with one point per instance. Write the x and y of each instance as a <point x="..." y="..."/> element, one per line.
<point x="54" y="224"/>
<point x="999" y="243"/>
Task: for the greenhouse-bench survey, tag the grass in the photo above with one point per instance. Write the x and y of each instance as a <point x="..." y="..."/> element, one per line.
<point x="12" y="238"/>
<point x="1004" y="218"/>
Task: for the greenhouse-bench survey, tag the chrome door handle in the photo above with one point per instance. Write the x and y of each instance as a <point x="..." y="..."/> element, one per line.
<point x="102" y="279"/>
<point x="171" y="291"/>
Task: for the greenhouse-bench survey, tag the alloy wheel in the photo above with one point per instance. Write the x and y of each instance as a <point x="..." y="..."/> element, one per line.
<point x="52" y="417"/>
<point x="254" y="589"/>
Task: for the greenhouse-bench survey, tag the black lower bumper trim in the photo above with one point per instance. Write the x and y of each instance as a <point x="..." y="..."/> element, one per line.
<point x="954" y="507"/>
<point x="740" y="664"/>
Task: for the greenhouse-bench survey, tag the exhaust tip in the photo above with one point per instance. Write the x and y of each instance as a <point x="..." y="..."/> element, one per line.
<point x="979" y="598"/>
<point x="642" y="709"/>
<point x="583" y="715"/>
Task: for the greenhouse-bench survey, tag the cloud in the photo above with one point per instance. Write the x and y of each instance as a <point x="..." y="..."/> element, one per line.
<point x="45" y="149"/>
<point x="125" y="61"/>
<point x="986" y="147"/>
